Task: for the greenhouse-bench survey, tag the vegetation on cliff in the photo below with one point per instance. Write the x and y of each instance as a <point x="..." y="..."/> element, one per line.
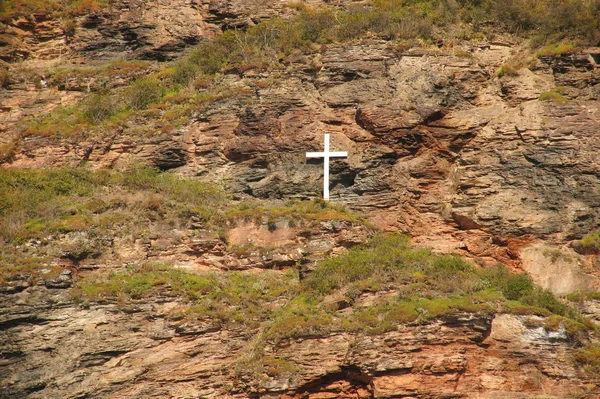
<point x="165" y="99"/>
<point x="90" y="209"/>
<point x="10" y="9"/>
<point x="38" y="207"/>
<point x="548" y="20"/>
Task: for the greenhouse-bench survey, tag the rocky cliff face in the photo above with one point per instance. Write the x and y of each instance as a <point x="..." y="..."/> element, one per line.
<point x="105" y="352"/>
<point x="440" y="148"/>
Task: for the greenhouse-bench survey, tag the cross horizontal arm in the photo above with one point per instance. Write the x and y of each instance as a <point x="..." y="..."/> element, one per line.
<point x="322" y="154"/>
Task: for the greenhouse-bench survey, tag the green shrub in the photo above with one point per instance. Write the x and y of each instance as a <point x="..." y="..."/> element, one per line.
<point x="210" y="57"/>
<point x="185" y="72"/>
<point x="573" y="18"/>
<point x="315" y="25"/>
<point x="143" y="92"/>
<point x="450" y="264"/>
<point x="516" y="286"/>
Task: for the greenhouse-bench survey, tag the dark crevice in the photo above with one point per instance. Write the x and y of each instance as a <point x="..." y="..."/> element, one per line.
<point x="434" y="116"/>
<point x="352" y="374"/>
<point x="532" y="160"/>
<point x="11" y="323"/>
<point x="36" y="387"/>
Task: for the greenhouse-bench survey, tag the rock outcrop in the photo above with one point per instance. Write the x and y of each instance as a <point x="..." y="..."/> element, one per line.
<point x="438" y="146"/>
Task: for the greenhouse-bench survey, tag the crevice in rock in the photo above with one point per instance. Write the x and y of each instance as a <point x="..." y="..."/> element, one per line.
<point x="350" y="374"/>
<point x="17" y="321"/>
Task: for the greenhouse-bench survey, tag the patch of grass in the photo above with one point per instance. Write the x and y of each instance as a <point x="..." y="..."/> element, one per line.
<point x="44" y="205"/>
<point x="508" y="70"/>
<point x="303" y="316"/>
<point x="553" y="95"/>
<point x="101" y="77"/>
<point x="581" y="296"/>
<point x="390" y="260"/>
<point x="230" y="299"/>
<point x="387" y="315"/>
<point x="140" y="282"/>
<point x="555" y="50"/>
<point x="588" y="357"/>
<point x="544" y="21"/>
<point x="16" y="266"/>
<point x="588" y="245"/>
<point x="64" y="122"/>
<point x="311" y="212"/>
<point x="576" y="331"/>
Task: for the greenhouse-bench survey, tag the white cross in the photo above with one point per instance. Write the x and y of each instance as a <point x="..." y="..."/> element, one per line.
<point x="326" y="155"/>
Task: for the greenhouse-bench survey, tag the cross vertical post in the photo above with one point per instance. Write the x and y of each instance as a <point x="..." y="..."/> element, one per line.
<point x="326" y="154"/>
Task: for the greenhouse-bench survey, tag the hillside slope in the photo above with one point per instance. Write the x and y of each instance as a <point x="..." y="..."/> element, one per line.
<point x="214" y="274"/>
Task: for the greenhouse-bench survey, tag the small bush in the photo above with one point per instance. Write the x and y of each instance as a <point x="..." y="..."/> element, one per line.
<point x="210" y="57"/>
<point x="516" y="286"/>
<point x="185" y="72"/>
<point x="143" y="92"/>
<point x="100" y="107"/>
